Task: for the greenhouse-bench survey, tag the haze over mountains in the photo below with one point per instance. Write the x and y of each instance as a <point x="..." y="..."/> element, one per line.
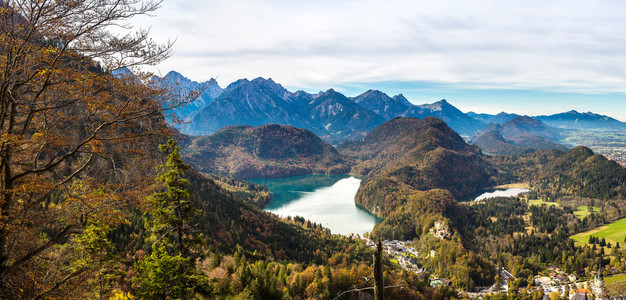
<point x="337" y="118"/>
<point x="519" y="135"/>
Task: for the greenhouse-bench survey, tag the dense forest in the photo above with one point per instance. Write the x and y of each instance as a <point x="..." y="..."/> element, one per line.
<point x="558" y="173"/>
<point x="526" y="245"/>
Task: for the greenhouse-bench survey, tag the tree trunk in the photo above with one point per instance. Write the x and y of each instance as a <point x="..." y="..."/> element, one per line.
<point x="378" y="272"/>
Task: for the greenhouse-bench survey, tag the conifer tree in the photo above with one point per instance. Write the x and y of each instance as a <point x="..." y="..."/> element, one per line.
<point x="169" y="272"/>
<point x="173" y="210"/>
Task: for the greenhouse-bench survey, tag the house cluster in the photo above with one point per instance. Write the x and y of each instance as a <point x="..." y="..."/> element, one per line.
<point x="566" y="284"/>
<point x="405" y="255"/>
<point x="554" y="281"/>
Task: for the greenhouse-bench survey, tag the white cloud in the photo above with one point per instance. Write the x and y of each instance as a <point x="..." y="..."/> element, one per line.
<point x="577" y="46"/>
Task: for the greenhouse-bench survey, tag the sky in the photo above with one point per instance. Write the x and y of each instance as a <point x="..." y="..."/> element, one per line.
<point x="528" y="57"/>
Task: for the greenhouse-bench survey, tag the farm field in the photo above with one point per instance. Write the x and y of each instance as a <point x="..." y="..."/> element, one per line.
<point x="613" y="233"/>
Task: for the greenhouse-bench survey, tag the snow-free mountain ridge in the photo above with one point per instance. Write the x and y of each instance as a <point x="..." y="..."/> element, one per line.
<point x="335" y="117"/>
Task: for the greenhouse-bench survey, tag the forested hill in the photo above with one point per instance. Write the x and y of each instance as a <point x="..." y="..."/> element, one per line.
<point x="424" y="154"/>
<point x="577" y="172"/>
<point x="244" y="152"/>
<point x="414" y="169"/>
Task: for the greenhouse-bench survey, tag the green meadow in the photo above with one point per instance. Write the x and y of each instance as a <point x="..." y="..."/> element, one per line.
<point x="613" y="233"/>
<point x="614" y="279"/>
<point x="539" y="202"/>
<point x="583" y="211"/>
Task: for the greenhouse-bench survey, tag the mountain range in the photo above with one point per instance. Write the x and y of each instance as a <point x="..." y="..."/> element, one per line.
<point x="577" y="120"/>
<point x="337" y="118"/>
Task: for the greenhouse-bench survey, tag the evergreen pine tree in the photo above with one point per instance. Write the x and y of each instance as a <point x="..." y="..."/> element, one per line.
<point x="169" y="271"/>
<point x="172" y="208"/>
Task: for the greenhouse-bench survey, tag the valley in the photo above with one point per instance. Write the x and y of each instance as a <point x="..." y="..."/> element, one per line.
<point x="119" y="183"/>
<point x="414" y="172"/>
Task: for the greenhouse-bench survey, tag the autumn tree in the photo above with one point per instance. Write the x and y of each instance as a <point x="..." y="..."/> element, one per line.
<point x="76" y="133"/>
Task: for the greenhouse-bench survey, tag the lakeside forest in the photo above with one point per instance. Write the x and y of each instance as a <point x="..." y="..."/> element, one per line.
<point x="102" y="198"/>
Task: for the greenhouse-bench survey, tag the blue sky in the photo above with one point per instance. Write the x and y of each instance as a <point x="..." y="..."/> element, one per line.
<point x="531" y="57"/>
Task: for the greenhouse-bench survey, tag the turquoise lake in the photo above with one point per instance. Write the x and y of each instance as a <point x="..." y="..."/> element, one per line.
<point x="323" y="199"/>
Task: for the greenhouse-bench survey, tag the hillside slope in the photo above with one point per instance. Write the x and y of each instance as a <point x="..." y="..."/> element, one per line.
<point x="425" y="154"/>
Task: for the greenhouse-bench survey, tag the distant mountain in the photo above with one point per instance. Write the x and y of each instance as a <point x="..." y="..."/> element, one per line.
<point x="526" y="126"/>
<point x="385" y="106"/>
<point x="257" y="102"/>
<point x="340" y="116"/>
<point x="479" y="116"/>
<point x="576" y="120"/>
<point x="456" y="119"/>
<point x="519" y="135"/>
<point x="205" y="91"/>
<point x="244" y="152"/>
<point x="500" y="118"/>
<point x="492" y="142"/>
<point x="327" y="114"/>
<point x="261" y="101"/>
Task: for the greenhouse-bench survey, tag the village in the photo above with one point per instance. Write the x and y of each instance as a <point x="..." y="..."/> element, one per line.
<point x="555" y="282"/>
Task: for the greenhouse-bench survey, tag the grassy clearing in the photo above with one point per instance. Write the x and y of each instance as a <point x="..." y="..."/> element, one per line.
<point x="583" y="211"/>
<point x="527" y="226"/>
<point x="539" y="202"/>
<point x="394" y="262"/>
<point x="613" y="233"/>
<point x="616" y="278"/>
